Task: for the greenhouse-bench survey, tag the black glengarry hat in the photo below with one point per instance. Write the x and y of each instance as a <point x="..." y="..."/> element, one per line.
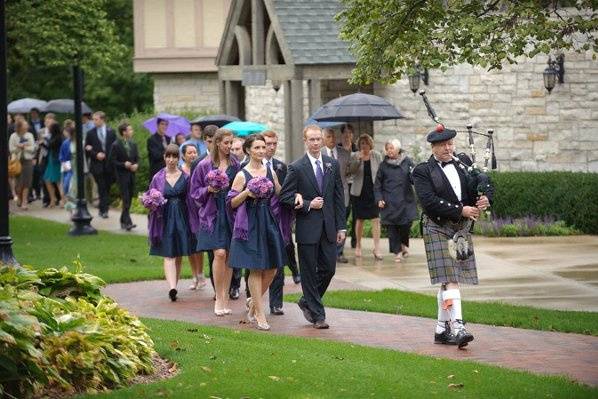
<point x="440" y="134"/>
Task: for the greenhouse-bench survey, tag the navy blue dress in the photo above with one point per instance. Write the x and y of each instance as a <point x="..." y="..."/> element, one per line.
<point x="222" y="234"/>
<point x="264" y="247"/>
<point x="177" y="239"/>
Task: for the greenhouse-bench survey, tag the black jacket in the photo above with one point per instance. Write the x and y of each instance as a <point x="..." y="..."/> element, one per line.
<point x="118" y="157"/>
<point x="301" y="179"/>
<point x="96" y="166"/>
<point x="155" y="153"/>
<point x="435" y="194"/>
<point x="393" y="185"/>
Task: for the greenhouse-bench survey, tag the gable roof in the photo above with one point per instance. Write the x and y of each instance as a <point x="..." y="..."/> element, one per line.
<point x="311" y="33"/>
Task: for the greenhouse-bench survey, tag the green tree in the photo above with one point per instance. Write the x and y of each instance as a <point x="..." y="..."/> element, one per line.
<point x="389" y="37"/>
<point x="46" y="37"/>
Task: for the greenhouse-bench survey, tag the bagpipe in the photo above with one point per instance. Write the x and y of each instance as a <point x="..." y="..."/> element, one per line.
<point x="478" y="178"/>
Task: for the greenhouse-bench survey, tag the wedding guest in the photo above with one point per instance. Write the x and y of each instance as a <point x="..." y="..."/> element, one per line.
<point x="65" y="159"/>
<point x="168" y="228"/>
<point x="364" y="166"/>
<point x="21" y="146"/>
<point x="257" y="242"/>
<point x="394" y="195"/>
<point x="211" y="224"/>
<point x="195" y="138"/>
<point x="346" y="143"/>
<point x="124" y="158"/>
<point x="179" y="139"/>
<point x="189" y="152"/>
<point x="156" y="145"/>
<point x="51" y="175"/>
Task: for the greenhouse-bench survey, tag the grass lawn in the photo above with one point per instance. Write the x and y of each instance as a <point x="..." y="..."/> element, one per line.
<point x="113" y="257"/>
<point x="222" y="363"/>
<point x="493" y="313"/>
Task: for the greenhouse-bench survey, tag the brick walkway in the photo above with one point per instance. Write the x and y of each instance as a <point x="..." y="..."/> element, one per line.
<point x="572" y="355"/>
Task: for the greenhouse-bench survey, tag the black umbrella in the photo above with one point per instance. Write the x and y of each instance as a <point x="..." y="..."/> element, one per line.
<point x="25" y="105"/>
<point x="66" y="106"/>
<point x="358" y="107"/>
<point x="218" y="120"/>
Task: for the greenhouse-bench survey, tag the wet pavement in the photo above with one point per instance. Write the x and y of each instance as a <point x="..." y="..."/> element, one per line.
<point x="549" y="272"/>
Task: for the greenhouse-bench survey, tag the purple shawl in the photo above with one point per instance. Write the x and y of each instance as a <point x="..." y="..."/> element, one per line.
<point x="204" y="210"/>
<point x="156" y="218"/>
<point x="282" y="215"/>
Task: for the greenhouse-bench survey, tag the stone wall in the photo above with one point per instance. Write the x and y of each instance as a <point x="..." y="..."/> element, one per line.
<point x="265" y="105"/>
<point x="186" y="91"/>
<point x="533" y="130"/>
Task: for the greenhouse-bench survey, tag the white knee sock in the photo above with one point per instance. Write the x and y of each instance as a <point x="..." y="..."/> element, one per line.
<point x="455" y="308"/>
<point x="443" y="315"/>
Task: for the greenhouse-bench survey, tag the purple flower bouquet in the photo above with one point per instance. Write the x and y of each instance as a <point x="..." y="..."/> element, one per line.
<point x="261" y="187"/>
<point x="217" y="179"/>
<point x="153" y="199"/>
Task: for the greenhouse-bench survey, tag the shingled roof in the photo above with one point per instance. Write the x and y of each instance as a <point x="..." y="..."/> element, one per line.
<point x="311" y="32"/>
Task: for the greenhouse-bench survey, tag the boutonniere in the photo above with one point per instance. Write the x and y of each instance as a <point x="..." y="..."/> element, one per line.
<point x="328" y="166"/>
<point x="279" y="166"/>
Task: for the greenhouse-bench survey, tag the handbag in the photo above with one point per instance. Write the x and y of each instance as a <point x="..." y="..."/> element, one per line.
<point x="14" y="167"/>
<point x="66" y="166"/>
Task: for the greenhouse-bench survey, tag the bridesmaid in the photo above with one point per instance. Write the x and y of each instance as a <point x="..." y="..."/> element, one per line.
<point x="189" y="154"/>
<point x="257" y="242"/>
<point x="210" y="223"/>
<point x="169" y="232"/>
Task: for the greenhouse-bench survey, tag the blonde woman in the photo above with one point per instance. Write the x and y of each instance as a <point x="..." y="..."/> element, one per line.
<point x="364" y="166"/>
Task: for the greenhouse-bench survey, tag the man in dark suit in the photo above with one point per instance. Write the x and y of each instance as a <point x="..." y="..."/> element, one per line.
<point x="156" y="145"/>
<point x="450" y="198"/>
<point x="98" y="143"/>
<point x="124" y="157"/>
<point x="280" y="168"/>
<point x="313" y="186"/>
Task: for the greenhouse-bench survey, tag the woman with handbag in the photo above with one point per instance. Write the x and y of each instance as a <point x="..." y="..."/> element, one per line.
<point x="21" y="146"/>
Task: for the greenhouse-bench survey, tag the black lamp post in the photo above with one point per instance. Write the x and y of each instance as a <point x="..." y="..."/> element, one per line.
<point x="6" y="255"/>
<point x="414" y="78"/>
<point x="81" y="217"/>
<point x="555" y="69"/>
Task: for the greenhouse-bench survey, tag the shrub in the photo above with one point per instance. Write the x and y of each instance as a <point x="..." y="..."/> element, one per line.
<point x="568" y="196"/>
<point x="58" y="332"/>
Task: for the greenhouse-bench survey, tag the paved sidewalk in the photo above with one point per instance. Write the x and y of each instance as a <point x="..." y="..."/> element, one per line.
<point x="572" y="355"/>
<point x="549" y="272"/>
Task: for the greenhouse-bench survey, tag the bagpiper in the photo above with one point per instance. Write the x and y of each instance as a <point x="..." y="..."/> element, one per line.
<point x="451" y="201"/>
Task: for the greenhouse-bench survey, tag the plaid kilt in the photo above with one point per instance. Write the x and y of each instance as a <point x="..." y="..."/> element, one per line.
<point x="443" y="268"/>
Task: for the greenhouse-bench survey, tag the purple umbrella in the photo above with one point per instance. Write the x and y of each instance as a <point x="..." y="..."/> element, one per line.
<point x="176" y="124"/>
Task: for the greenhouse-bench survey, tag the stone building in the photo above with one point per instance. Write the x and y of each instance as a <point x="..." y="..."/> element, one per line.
<point x="279" y="60"/>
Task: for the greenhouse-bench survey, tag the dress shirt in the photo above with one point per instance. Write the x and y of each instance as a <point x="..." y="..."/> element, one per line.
<point x="265" y="163"/>
<point x="452" y="175"/>
<point x="313" y="163"/>
<point x="332" y="152"/>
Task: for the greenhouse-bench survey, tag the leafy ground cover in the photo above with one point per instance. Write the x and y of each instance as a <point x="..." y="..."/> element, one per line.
<point x="500" y="314"/>
<point x="222" y="363"/>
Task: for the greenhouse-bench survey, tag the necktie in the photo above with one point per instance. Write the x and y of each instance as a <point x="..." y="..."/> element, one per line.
<point x="103" y="138"/>
<point x="319" y="175"/>
<point x="127" y="147"/>
<point x="268" y="164"/>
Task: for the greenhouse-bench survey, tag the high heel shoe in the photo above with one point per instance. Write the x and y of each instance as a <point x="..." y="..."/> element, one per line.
<point x="194" y="285"/>
<point x="358" y="252"/>
<point x="219" y="312"/>
<point x="172" y="294"/>
<point x="377" y="256"/>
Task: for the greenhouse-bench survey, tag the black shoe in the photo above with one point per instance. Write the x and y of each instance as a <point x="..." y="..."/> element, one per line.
<point x="129" y="227"/>
<point x="296" y="278"/>
<point x="276" y="311"/>
<point x="342" y="259"/>
<point x="321" y="325"/>
<point x="462" y="337"/>
<point x="103" y="215"/>
<point x="172" y="294"/>
<point x="234" y="294"/>
<point x="306" y="312"/>
<point x="445" y="338"/>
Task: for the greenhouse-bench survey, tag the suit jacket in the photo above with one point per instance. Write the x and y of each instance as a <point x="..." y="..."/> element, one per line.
<point x="356" y="169"/>
<point x="280" y="168"/>
<point x="436" y="195"/>
<point x="155" y="152"/>
<point x="310" y="223"/>
<point x="96" y="166"/>
<point x="342" y="157"/>
<point x="118" y="157"/>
